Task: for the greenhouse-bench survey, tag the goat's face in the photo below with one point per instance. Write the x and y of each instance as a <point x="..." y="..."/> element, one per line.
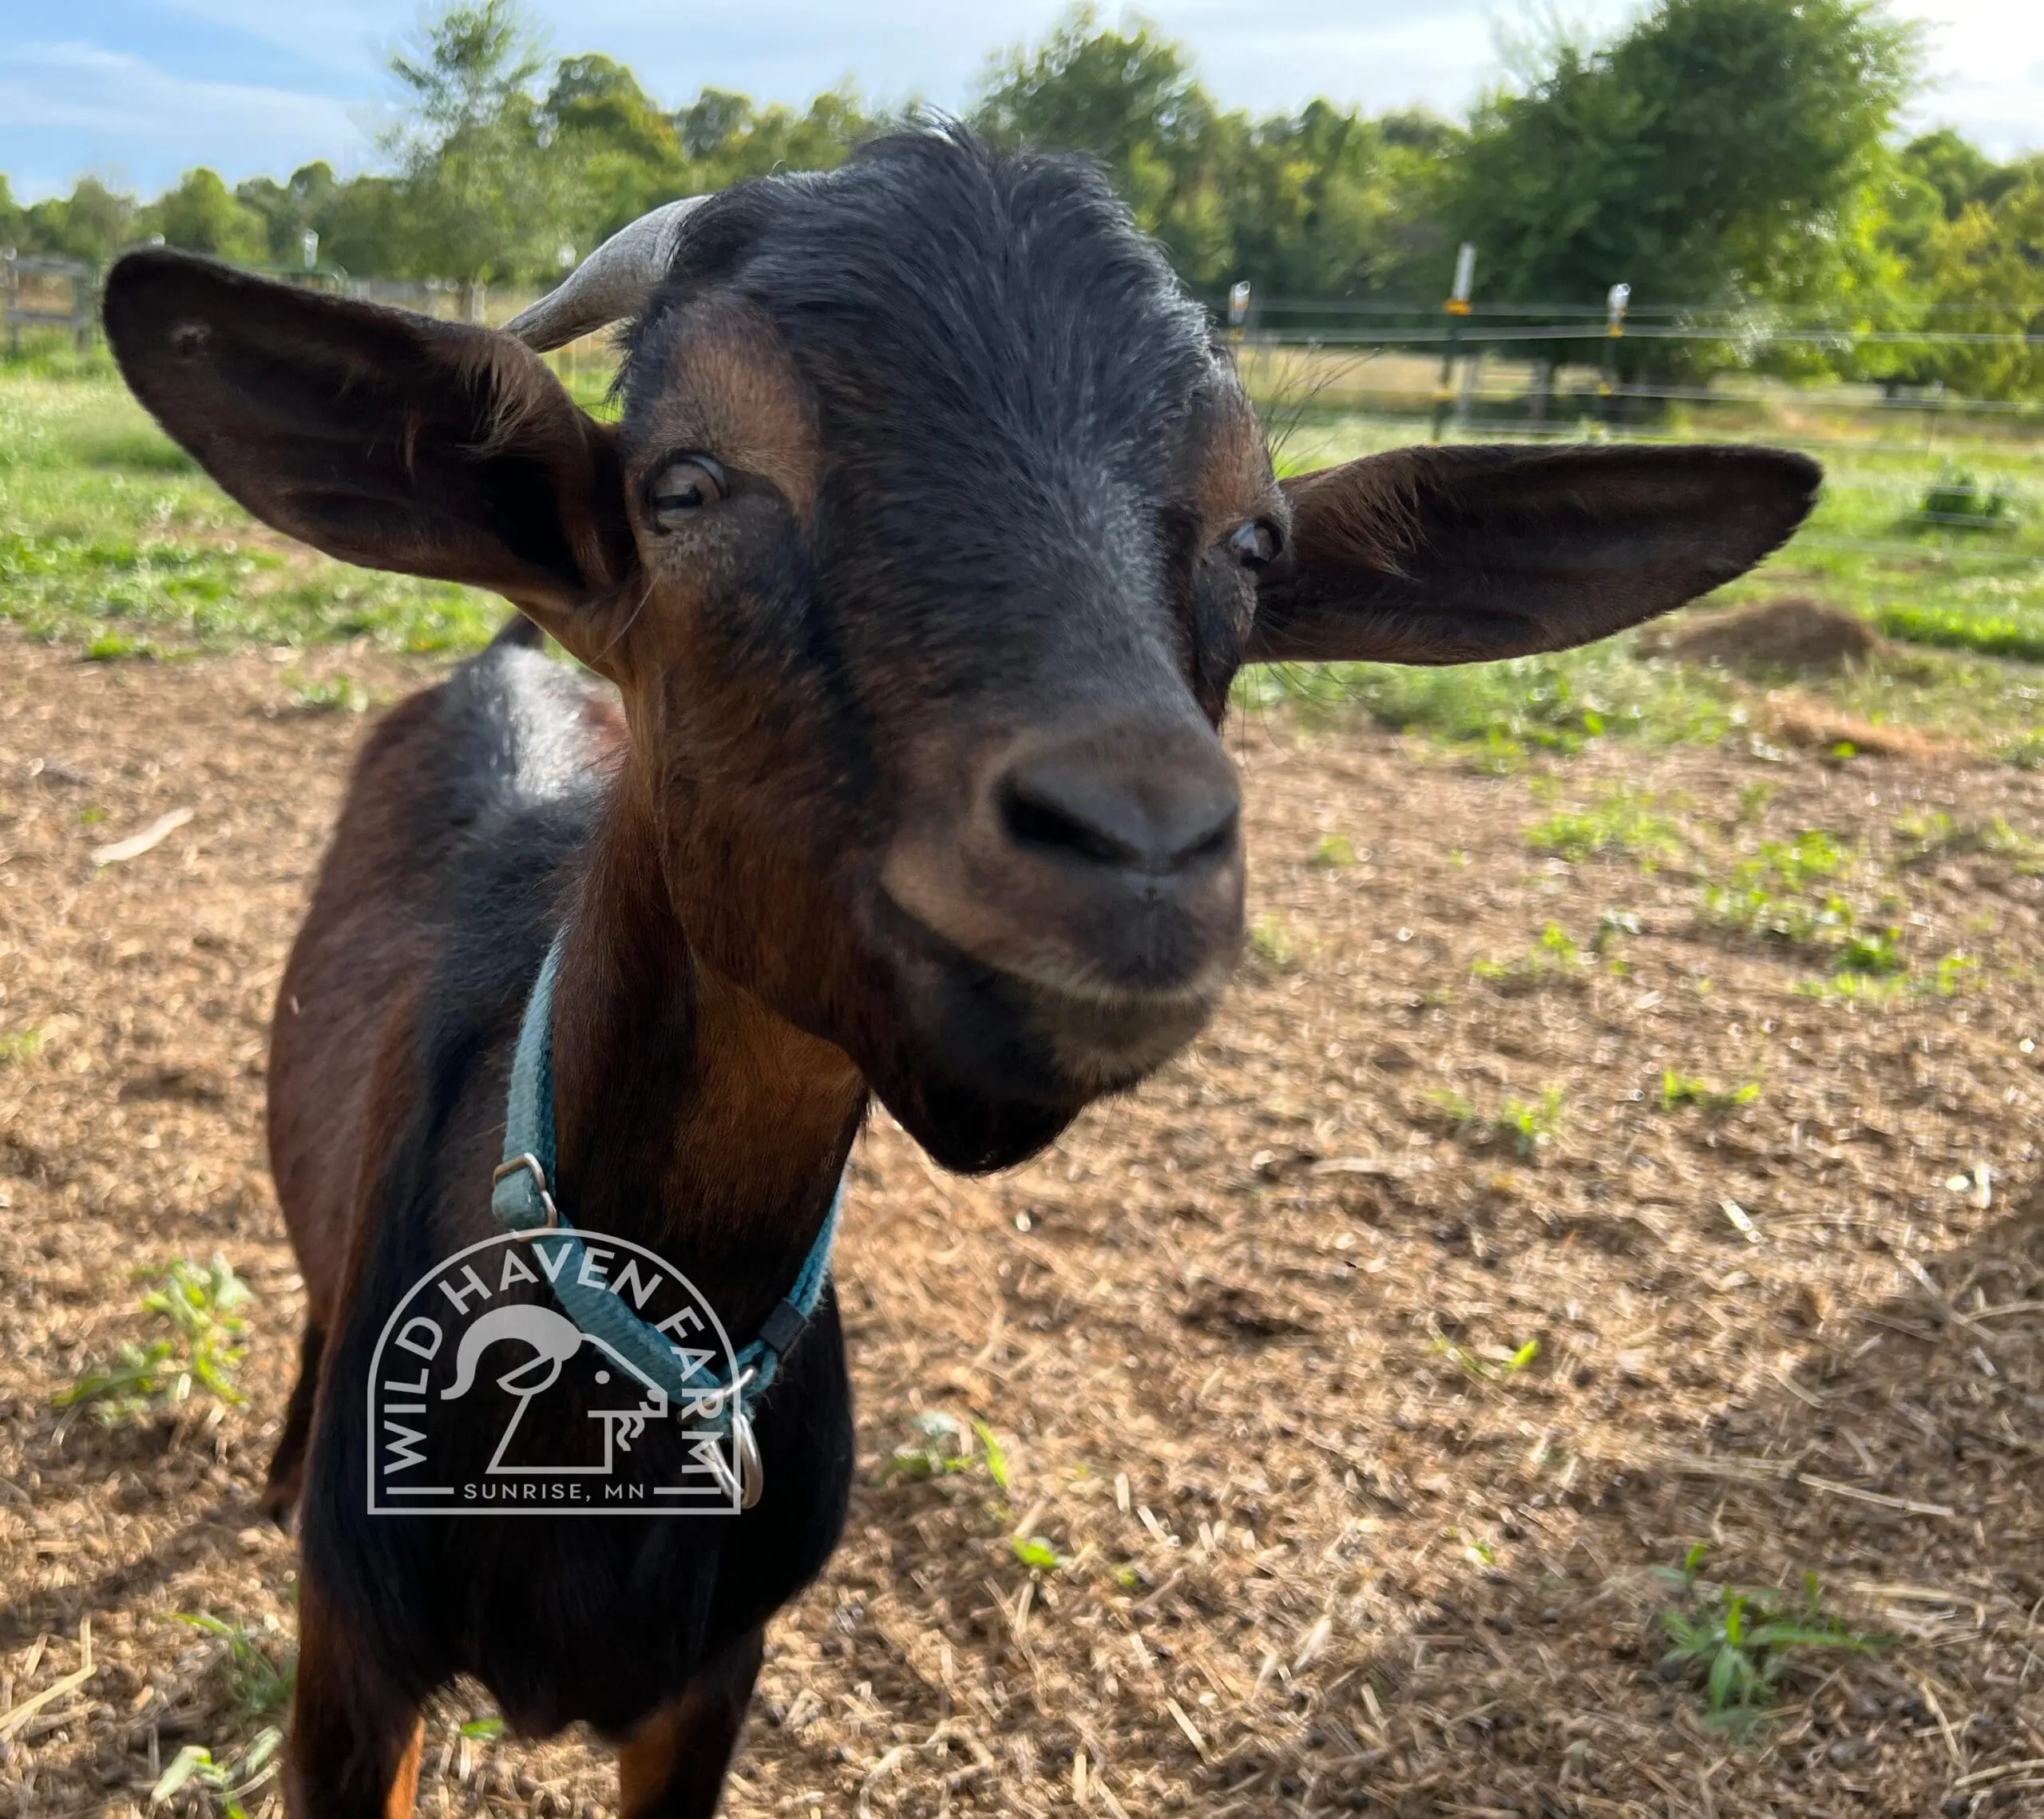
<point x="948" y="521"/>
<point x="932" y="538"/>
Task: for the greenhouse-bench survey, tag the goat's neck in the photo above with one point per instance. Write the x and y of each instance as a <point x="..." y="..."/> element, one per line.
<point x="691" y="1117"/>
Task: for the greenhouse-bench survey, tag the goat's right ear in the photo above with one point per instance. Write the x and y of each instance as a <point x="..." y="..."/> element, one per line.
<point x="383" y="439"/>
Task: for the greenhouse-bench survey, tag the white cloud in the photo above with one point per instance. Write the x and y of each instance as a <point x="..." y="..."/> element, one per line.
<point x="134" y="118"/>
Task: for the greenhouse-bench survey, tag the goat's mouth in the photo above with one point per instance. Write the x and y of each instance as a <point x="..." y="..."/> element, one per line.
<point x="984" y="1053"/>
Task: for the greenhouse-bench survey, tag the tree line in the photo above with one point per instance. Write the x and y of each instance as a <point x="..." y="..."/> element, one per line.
<point x="1735" y="162"/>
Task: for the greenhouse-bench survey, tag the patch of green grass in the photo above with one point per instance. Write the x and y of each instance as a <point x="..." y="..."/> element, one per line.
<point x="1530" y="1124"/>
<point x="945" y="1446"/>
<point x="1554" y="959"/>
<point x="199" y="1355"/>
<point x="1501" y="1367"/>
<point x="19" y="1045"/>
<point x="114" y="542"/>
<point x="1274" y="944"/>
<point x="337" y="695"/>
<point x="1038" y="1555"/>
<point x="1617" y="822"/>
<point x="1936" y="835"/>
<point x="1499" y="716"/>
<point x="1957" y="499"/>
<point x="1736" y="1644"/>
<point x="1772" y="893"/>
<point x="1678" y="1090"/>
<point x="1336" y="851"/>
<point x="257" y="1683"/>
<point x="230" y="1778"/>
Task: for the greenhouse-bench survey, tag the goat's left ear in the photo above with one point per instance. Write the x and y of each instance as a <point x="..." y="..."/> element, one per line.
<point x="1460" y="555"/>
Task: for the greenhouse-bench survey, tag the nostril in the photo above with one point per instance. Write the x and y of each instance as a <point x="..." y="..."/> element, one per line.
<point x="1036" y="820"/>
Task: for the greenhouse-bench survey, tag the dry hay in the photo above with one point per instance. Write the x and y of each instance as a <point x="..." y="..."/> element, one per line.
<point x="1796" y="633"/>
<point x="1240" y="1333"/>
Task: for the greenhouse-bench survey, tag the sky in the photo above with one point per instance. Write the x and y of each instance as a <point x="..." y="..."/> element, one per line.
<point x="137" y="92"/>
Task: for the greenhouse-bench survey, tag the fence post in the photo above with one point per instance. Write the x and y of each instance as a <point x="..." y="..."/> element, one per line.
<point x="85" y="292"/>
<point x="1614" y="327"/>
<point x="10" y="302"/>
<point x="1457" y="308"/>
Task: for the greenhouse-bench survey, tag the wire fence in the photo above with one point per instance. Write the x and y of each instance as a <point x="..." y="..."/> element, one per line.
<point x="1932" y="523"/>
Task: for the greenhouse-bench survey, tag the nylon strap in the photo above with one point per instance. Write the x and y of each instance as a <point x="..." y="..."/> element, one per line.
<point x="522" y="1200"/>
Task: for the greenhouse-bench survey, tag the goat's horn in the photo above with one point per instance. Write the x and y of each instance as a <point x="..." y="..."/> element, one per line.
<point x="611" y="283"/>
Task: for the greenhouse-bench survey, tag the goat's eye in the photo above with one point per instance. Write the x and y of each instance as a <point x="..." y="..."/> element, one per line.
<point x="686" y="486"/>
<point x="1255" y="545"/>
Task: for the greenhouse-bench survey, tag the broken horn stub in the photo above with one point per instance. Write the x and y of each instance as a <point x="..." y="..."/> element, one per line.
<point x="611" y="283"/>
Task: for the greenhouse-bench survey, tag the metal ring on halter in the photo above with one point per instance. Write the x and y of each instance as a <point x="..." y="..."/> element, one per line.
<point x="530" y="1162"/>
<point x="752" y="1472"/>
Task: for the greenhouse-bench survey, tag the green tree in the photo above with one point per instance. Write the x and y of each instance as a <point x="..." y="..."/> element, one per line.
<point x="202" y="215"/>
<point x="1719" y="151"/>
<point x="93" y="223"/>
<point x="625" y="154"/>
<point x="303" y="204"/>
<point x="1987" y="274"/>
<point x="1131" y="98"/>
<point x="14" y="220"/>
<point x="483" y="200"/>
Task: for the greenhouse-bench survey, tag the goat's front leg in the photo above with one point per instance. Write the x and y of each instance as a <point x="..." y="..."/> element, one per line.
<point x="673" y="1766"/>
<point x="356" y="1737"/>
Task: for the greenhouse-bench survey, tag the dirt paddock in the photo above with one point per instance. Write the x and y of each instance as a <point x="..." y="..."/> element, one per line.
<point x="1315" y="1529"/>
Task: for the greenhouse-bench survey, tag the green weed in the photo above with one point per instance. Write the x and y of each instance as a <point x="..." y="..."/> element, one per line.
<point x="945" y="1446"/>
<point x="1957" y="500"/>
<point x="255" y="1682"/>
<point x="1678" y="1090"/>
<point x="1937" y="835"/>
<point x="1530" y="1124"/>
<point x="20" y="1046"/>
<point x="339" y="694"/>
<point x="1273" y="943"/>
<point x="1038" y="1555"/>
<point x="1770" y="892"/>
<point x="1487" y="1368"/>
<point x="1334" y="851"/>
<point x="228" y="1779"/>
<point x="200" y="1354"/>
<point x="1738" y="1642"/>
<point x="1555" y="959"/>
<point x="1619" y="823"/>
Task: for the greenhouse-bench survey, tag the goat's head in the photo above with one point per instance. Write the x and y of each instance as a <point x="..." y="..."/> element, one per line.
<point x="932" y="535"/>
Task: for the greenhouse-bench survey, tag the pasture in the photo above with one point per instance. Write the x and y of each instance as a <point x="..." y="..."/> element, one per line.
<point x="1606" y="1216"/>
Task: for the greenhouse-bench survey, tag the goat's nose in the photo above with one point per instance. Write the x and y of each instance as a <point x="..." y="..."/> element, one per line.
<point x="1160" y="802"/>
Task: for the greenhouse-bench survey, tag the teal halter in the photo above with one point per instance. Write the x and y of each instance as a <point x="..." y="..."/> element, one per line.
<point x="522" y="1198"/>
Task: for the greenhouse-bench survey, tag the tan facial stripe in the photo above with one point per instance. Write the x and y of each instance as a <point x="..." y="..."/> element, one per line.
<point x="734" y="393"/>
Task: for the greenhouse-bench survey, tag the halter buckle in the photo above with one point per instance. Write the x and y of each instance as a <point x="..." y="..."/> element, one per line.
<point x="529" y="1164"/>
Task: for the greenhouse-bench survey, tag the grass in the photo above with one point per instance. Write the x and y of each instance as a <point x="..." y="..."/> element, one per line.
<point x="1962" y="602"/>
<point x="1736" y="1644"/>
<point x="230" y="1778"/>
<point x="1678" y="1090"/>
<point x="1530" y="1125"/>
<point x="256" y="1684"/>
<point x="1555" y="959"/>
<point x="111" y="540"/>
<point x="199" y="1355"/>
<point x="1618" y="822"/>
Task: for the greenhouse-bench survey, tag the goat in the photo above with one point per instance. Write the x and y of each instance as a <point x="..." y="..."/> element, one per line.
<point x="911" y="586"/>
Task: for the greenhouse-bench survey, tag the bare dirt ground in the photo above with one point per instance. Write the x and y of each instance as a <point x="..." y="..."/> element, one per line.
<point x="1309" y="1542"/>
